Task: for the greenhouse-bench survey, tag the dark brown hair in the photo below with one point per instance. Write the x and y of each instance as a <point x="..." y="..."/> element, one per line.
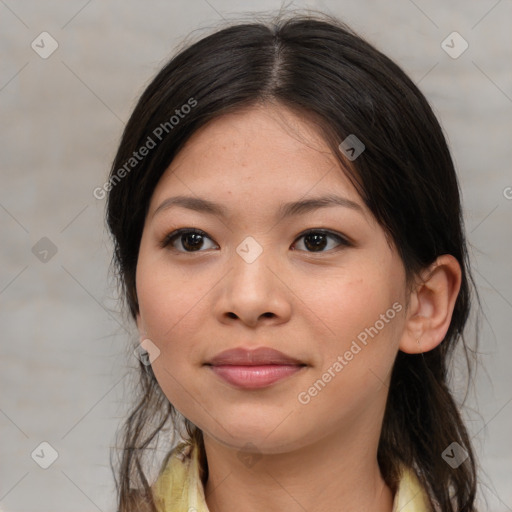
<point x="318" y="67"/>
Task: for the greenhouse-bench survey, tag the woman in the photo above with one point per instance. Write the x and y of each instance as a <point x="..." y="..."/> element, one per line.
<point x="289" y="238"/>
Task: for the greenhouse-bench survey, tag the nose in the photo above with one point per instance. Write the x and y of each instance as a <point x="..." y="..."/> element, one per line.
<point x="254" y="292"/>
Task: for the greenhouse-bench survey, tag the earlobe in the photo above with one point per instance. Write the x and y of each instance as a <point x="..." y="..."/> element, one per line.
<point x="431" y="306"/>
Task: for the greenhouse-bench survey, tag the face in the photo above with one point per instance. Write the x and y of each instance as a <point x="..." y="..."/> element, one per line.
<point x="317" y="283"/>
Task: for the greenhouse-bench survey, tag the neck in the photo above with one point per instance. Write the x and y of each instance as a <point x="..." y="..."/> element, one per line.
<point x="340" y="472"/>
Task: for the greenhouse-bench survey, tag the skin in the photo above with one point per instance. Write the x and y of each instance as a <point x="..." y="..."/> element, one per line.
<point x="266" y="451"/>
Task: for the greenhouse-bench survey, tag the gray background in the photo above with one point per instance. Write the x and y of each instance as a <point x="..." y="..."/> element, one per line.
<point x="65" y="353"/>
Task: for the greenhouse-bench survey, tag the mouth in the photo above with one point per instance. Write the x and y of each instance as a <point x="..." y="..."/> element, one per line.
<point x="255" y="377"/>
<point x="254" y="369"/>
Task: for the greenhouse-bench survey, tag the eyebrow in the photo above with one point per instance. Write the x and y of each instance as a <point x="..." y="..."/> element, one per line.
<point x="286" y="210"/>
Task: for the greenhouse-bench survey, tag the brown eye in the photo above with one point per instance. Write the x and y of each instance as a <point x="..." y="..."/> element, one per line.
<point x="195" y="240"/>
<point x="191" y="240"/>
<point x="318" y="240"/>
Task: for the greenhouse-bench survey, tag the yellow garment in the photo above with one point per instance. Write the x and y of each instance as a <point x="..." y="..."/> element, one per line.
<point x="179" y="487"/>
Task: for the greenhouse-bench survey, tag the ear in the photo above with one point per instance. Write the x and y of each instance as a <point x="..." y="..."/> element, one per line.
<point x="431" y="306"/>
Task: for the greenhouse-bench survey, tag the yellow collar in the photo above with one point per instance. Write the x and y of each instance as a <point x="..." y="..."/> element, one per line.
<point x="179" y="487"/>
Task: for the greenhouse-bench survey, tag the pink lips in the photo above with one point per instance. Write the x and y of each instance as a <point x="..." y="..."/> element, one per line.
<point x="254" y="369"/>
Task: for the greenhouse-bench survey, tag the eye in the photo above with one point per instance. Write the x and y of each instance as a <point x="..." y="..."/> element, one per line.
<point x="316" y="240"/>
<point x="192" y="240"/>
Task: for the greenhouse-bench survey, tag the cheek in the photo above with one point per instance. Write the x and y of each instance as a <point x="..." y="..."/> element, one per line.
<point x="358" y="353"/>
<point x="158" y="304"/>
<point x="169" y="305"/>
<point x="362" y="318"/>
<point x="349" y="305"/>
<point x="166" y="294"/>
<point x="169" y="309"/>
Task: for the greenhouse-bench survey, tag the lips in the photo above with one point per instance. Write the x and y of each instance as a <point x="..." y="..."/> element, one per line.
<point x="254" y="369"/>
<point x="257" y="357"/>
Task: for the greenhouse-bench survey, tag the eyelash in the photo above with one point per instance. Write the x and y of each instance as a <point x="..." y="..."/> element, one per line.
<point x="169" y="238"/>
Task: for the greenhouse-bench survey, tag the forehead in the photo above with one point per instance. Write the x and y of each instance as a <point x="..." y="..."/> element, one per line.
<point x="261" y="154"/>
